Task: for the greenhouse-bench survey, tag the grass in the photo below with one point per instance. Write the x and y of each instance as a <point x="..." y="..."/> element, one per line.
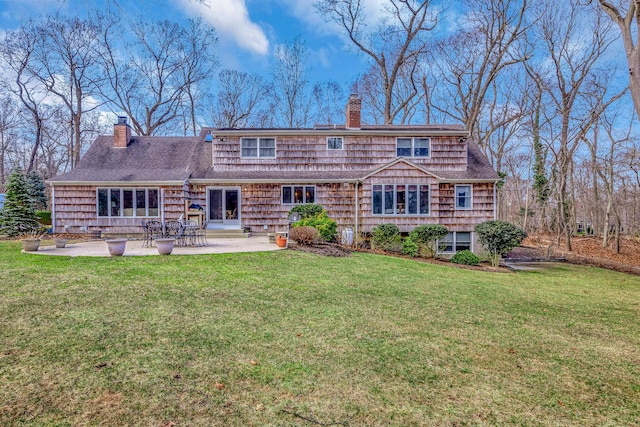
<point x="290" y="338"/>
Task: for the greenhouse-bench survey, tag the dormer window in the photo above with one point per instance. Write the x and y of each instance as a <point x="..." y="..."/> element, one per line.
<point x="413" y="147"/>
<point x="258" y="148"/>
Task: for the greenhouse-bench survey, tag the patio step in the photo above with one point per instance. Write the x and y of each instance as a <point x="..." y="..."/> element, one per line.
<point x="227" y="234"/>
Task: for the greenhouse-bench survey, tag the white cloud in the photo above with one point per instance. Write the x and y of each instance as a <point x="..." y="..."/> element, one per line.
<point x="305" y="11"/>
<point x="231" y="20"/>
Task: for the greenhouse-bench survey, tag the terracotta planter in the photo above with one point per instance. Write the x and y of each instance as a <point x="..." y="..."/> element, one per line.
<point x="165" y="246"/>
<point x="281" y="241"/>
<point x="30" y="245"/>
<point x="60" y="243"/>
<point x="116" y="246"/>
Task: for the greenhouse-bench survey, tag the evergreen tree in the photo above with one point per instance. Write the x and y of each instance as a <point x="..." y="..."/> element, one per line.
<point x="18" y="215"/>
<point x="37" y="191"/>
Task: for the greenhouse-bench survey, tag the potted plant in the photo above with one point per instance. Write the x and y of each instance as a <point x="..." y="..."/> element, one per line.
<point x="165" y="246"/>
<point x="60" y="242"/>
<point x="31" y="241"/>
<point x="116" y="247"/>
<point x="281" y="240"/>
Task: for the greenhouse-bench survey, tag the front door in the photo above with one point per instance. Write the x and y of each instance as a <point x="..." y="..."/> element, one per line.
<point x="224" y="206"/>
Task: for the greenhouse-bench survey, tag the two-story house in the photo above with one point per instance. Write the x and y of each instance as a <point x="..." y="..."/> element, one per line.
<point x="363" y="175"/>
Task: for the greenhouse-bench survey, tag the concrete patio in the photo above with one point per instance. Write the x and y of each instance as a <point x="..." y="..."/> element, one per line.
<point x="134" y="247"/>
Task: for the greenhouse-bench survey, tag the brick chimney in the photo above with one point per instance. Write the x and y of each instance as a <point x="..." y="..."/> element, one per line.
<point x="354" y="105"/>
<point x="121" y="133"/>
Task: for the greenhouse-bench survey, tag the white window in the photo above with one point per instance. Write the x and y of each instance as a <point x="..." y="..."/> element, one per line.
<point x="400" y="199"/>
<point x="454" y="242"/>
<point x="334" y="143"/>
<point x="127" y="202"/>
<point x="258" y="147"/>
<point x="463" y="196"/>
<point x="413" y="147"/>
<point x="298" y="194"/>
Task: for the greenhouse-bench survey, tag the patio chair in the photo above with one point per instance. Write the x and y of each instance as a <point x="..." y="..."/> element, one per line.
<point x="201" y="235"/>
<point x="189" y="228"/>
<point x="146" y="236"/>
<point x="156" y="231"/>
<point x="173" y="229"/>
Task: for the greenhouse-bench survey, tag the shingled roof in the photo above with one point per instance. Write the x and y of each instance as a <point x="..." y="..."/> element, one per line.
<point x="145" y="159"/>
<point x="148" y="160"/>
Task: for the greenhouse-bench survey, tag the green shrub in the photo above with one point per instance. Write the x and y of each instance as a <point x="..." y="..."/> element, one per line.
<point x="427" y="236"/>
<point x="465" y="257"/>
<point x="307" y="211"/>
<point x="387" y="237"/>
<point x="45" y="217"/>
<point x="325" y="225"/>
<point x="409" y="247"/>
<point x="498" y="238"/>
<point x="304" y="235"/>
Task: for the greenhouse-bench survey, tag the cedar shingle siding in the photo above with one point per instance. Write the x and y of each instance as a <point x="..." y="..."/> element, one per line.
<point x="183" y="168"/>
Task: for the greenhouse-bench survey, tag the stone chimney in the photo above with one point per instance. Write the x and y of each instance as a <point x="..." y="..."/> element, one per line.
<point x="354" y="105"/>
<point x="121" y="133"/>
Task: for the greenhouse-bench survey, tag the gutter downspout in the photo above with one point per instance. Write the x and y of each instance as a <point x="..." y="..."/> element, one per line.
<point x="495" y="203"/>
<point x="356" y="236"/>
<point x="162" y="204"/>
<point x="53" y="208"/>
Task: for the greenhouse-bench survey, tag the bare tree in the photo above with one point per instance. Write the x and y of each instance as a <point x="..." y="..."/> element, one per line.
<point x="238" y="99"/>
<point x="576" y="90"/>
<point x="159" y="74"/>
<point x="472" y="60"/>
<point x="66" y="62"/>
<point x="629" y="24"/>
<point x="18" y="55"/>
<point x="289" y="78"/>
<point x="395" y="41"/>
<point x="328" y="100"/>
<point x="9" y="122"/>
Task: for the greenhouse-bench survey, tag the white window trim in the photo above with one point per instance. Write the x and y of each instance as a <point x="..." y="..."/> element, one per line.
<point x="341" y="143"/>
<point x="413" y="146"/>
<point x="453" y="245"/>
<point x="134" y="189"/>
<point x="395" y="202"/>
<point x="258" y="156"/>
<point x="455" y="197"/>
<point x="304" y="187"/>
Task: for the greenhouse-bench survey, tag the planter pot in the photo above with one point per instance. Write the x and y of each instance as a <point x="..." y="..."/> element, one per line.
<point x="30" y="245"/>
<point x="165" y="246"/>
<point x="281" y="241"/>
<point x="116" y="246"/>
<point x="60" y="243"/>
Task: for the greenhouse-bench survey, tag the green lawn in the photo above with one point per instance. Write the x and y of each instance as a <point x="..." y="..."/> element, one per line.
<point x="290" y="338"/>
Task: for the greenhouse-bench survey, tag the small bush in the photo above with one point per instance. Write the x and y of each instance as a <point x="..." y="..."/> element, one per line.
<point x="427" y="237"/>
<point x="304" y="235"/>
<point x="44" y="217"/>
<point x="325" y="225"/>
<point x="409" y="247"/>
<point x="307" y="211"/>
<point x="387" y="237"/>
<point x="465" y="257"/>
<point x="498" y="238"/>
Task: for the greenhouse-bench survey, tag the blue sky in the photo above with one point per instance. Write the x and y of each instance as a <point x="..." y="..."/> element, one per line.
<point x="248" y="30"/>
